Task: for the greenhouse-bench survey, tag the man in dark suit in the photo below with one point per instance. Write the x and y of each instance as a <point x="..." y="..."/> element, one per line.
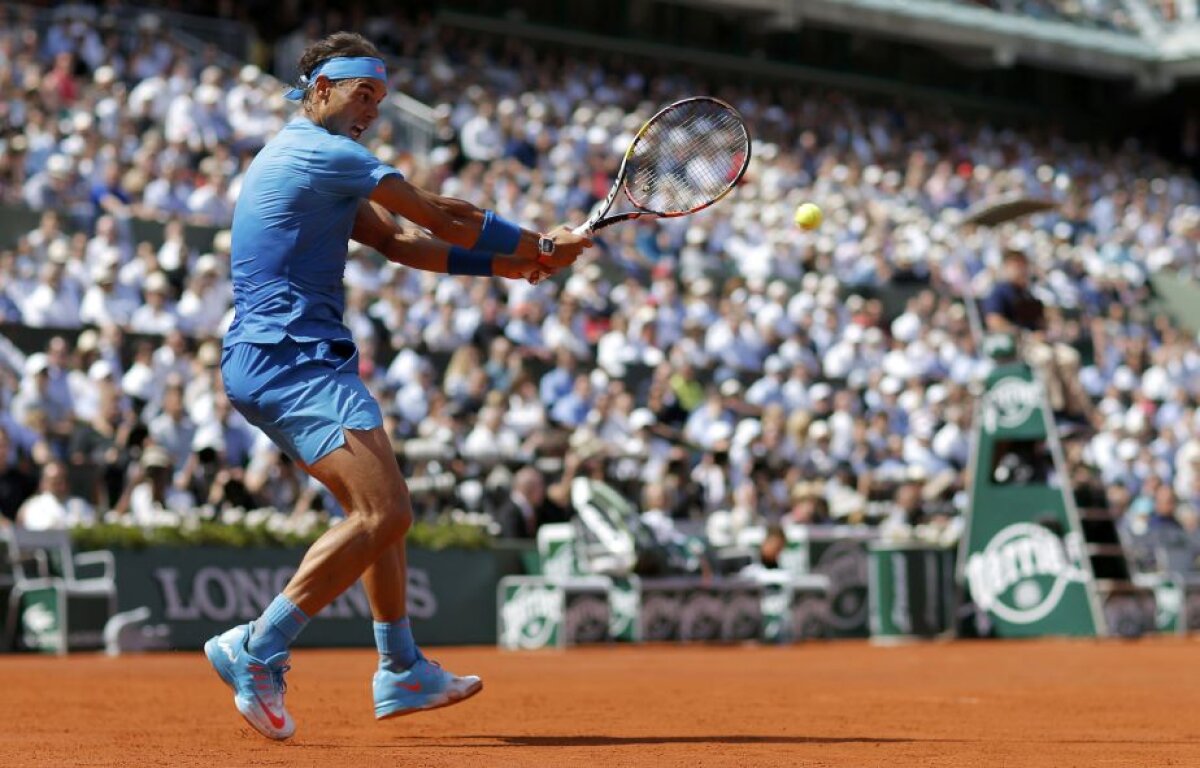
<point x="527" y="507"/>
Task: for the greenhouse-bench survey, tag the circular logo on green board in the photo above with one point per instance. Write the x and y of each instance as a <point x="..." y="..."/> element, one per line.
<point x="1022" y="573"/>
<point x="530" y="616"/>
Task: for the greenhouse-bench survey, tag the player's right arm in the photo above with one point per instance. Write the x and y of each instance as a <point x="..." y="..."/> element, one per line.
<point x="460" y="223"/>
<point x="375" y="226"/>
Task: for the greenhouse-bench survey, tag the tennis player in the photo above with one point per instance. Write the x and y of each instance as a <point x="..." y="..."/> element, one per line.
<point x="290" y="365"/>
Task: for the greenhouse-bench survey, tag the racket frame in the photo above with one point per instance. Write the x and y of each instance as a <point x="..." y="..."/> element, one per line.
<point x="598" y="220"/>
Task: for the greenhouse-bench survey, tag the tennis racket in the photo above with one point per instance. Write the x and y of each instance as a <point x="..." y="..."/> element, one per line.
<point x="684" y="159"/>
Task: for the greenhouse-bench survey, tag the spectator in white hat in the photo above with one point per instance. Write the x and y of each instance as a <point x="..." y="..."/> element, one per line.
<point x="151" y="494"/>
<point x="54" y="302"/>
<point x="35" y="391"/>
<point x="56" y="186"/>
<point x="104" y="303"/>
<point x="710" y="423"/>
<point x="205" y="300"/>
<point x="157" y="315"/>
<point x="769" y="389"/>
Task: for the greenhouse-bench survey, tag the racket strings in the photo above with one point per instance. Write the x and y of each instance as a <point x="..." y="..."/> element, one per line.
<point x="687" y="157"/>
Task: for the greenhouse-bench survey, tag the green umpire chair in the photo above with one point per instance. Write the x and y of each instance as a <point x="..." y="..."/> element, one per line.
<point x="57" y="600"/>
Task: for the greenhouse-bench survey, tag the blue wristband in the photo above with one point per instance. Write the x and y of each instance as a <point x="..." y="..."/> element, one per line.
<point x="460" y="261"/>
<point x="498" y="234"/>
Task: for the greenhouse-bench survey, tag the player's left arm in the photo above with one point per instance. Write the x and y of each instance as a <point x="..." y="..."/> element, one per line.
<point x="374" y="226"/>
<point x="460" y="223"/>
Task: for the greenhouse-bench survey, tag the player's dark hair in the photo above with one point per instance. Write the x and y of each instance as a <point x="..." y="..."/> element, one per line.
<point x="332" y="46"/>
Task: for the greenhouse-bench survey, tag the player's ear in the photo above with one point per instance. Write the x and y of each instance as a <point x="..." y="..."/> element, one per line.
<point x="321" y="87"/>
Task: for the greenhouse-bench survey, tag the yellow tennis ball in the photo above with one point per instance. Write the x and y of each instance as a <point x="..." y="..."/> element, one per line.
<point x="808" y="216"/>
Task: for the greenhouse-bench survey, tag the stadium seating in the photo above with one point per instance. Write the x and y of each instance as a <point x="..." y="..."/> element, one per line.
<point x="854" y="346"/>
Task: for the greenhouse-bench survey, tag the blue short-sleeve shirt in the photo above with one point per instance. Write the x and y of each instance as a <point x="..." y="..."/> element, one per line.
<point x="291" y="228"/>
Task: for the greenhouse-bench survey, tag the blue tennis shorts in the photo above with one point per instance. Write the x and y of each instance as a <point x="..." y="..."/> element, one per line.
<point x="302" y="394"/>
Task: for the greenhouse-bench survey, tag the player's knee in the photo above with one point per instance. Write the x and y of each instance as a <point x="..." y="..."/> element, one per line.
<point x="399" y="521"/>
<point x="389" y="522"/>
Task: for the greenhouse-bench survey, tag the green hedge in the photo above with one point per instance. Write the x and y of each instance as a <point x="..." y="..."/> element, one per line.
<point x="442" y="534"/>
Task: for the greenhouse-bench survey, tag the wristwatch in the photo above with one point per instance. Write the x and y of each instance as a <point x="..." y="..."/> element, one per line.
<point x="545" y="246"/>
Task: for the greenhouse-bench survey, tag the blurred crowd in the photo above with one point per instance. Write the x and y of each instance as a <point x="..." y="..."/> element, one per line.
<point x="726" y="369"/>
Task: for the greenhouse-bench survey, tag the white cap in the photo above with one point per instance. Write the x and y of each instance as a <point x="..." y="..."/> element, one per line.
<point x="747" y="430"/>
<point x="817" y="430"/>
<point x="88" y="341"/>
<point x="58" y="165"/>
<point x="104" y="273"/>
<point x="207" y="264"/>
<point x="641" y="418"/>
<point x="208" y="354"/>
<point x="208" y="436"/>
<point x="1127" y="449"/>
<point x="36" y="363"/>
<point x="720" y="430"/>
<point x="936" y="393"/>
<point x="820" y="391"/>
<point x="156" y="456"/>
<point x="223" y="241"/>
<point x="156" y="282"/>
<point x="59" y="252"/>
<point x="774" y="364"/>
<point x="208" y="94"/>
<point x="101" y="369"/>
<point x="138" y="382"/>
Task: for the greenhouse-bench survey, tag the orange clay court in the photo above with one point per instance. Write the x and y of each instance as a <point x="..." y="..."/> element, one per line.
<point x="1043" y="703"/>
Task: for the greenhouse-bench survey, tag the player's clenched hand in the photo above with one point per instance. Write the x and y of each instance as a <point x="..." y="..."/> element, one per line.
<point x="567" y="247"/>
<point x="518" y="268"/>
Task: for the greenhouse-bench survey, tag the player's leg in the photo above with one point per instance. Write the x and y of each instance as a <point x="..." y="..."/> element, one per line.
<point x="309" y="400"/>
<point x="253" y="659"/>
<point x="371" y="489"/>
<point x="365" y="479"/>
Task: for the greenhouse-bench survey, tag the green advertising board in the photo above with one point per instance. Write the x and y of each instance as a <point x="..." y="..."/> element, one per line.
<point x="53" y="621"/>
<point x="624" y="602"/>
<point x="911" y="592"/>
<point x="556" y="550"/>
<point x="41" y="620"/>
<point x="540" y="612"/>
<point x="840" y="555"/>
<point x="530" y="613"/>
<point x="200" y="591"/>
<point x="1023" y="558"/>
<point x="793" y="608"/>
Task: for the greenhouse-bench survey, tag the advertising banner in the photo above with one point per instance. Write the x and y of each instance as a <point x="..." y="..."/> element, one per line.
<point x="200" y="591"/>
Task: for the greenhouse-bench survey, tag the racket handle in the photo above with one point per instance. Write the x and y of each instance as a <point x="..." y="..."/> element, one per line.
<point x="583" y="229"/>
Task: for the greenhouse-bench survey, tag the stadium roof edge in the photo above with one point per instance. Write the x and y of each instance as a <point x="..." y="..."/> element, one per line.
<point x="1152" y="59"/>
<point x="728" y="63"/>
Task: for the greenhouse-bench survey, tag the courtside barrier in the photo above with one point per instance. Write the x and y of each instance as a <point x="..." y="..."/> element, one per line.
<point x="199" y="591"/>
